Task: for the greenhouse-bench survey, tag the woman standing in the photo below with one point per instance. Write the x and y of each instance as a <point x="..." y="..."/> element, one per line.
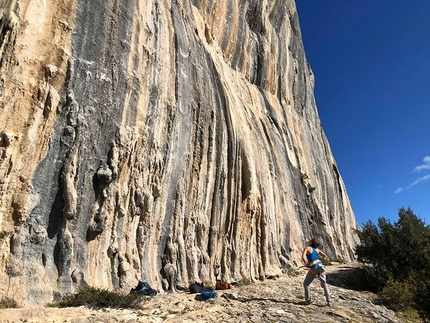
<point x="310" y="257"/>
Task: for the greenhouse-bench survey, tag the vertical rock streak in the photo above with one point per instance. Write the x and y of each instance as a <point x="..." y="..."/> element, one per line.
<point x="136" y="129"/>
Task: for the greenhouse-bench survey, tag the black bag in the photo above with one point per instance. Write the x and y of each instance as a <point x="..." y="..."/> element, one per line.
<point x="145" y="289"/>
<point x="195" y="288"/>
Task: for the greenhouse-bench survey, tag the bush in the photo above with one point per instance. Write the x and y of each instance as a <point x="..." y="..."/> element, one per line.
<point x="395" y="250"/>
<point x="7" y="302"/>
<point x="398" y="296"/>
<point x="245" y="281"/>
<point x="97" y="298"/>
<point x="422" y="297"/>
<point x="399" y="261"/>
<point x="329" y="261"/>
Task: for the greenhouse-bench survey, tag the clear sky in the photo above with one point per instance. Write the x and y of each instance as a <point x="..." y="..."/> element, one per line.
<point x="371" y="61"/>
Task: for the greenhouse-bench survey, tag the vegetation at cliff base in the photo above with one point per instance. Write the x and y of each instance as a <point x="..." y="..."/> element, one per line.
<point x="97" y="298"/>
<point x="7" y="302"/>
<point x="399" y="262"/>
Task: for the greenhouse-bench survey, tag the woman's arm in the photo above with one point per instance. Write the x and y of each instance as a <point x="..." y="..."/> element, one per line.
<point x="305" y="260"/>
<point x="322" y="254"/>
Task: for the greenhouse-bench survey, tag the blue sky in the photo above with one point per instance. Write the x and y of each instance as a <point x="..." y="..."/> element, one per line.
<point x="371" y="60"/>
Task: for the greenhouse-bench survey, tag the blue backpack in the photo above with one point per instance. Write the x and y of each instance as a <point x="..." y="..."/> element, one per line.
<point x="208" y="292"/>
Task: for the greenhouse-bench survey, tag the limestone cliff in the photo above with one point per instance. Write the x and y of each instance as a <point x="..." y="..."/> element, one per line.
<point x="135" y="129"/>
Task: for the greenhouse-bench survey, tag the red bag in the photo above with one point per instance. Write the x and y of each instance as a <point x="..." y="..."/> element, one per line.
<point x="220" y="285"/>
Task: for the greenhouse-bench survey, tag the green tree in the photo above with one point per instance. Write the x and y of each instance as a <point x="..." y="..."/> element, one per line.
<point x="395" y="250"/>
<point x="422" y="300"/>
<point x="399" y="255"/>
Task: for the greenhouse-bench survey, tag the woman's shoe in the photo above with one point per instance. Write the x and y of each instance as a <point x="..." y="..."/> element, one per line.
<point x="304" y="302"/>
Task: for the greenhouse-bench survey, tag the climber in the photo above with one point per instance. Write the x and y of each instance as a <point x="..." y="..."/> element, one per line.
<point x="310" y="257"/>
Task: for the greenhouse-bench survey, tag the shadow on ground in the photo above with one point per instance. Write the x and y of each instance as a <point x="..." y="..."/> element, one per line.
<point x="346" y="276"/>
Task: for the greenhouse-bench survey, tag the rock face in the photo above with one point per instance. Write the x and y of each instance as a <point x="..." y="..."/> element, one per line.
<point x="130" y="130"/>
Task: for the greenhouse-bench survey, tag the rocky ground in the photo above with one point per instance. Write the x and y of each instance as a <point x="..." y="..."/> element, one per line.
<point x="268" y="301"/>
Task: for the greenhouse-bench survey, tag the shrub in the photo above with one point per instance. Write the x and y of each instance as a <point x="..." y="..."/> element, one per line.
<point x="245" y="281"/>
<point x="395" y="250"/>
<point x="326" y="261"/>
<point x="398" y="296"/>
<point x="7" y="302"/>
<point x="329" y="261"/>
<point x="97" y="298"/>
<point x="399" y="261"/>
<point x="411" y="314"/>
<point x="422" y="297"/>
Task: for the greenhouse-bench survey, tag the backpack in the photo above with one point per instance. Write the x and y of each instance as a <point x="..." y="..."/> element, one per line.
<point x="145" y="289"/>
<point x="221" y="285"/>
<point x="208" y="292"/>
<point x="196" y="288"/>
